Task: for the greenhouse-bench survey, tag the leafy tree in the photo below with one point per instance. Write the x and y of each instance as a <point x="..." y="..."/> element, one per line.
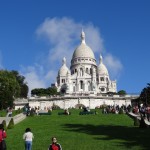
<point x="145" y="95"/>
<point x="38" y="92"/>
<point x="9" y="88"/>
<point x="52" y="91"/>
<point x="122" y="92"/>
<point x="23" y="85"/>
<point x="44" y="92"/>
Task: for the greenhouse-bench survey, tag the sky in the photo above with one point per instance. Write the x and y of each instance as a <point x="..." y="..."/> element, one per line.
<point x="35" y="35"/>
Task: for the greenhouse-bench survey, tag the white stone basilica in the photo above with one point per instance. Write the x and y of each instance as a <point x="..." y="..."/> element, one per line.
<point x="84" y="75"/>
<point x="84" y="84"/>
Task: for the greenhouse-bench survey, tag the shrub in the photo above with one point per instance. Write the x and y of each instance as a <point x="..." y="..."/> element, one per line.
<point x="11" y="124"/>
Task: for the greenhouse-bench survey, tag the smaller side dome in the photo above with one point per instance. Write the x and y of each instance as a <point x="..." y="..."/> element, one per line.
<point x="102" y="68"/>
<point x="64" y="69"/>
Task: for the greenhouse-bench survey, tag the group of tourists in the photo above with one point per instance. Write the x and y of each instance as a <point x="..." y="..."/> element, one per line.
<point x="116" y="109"/>
<point x="142" y="109"/>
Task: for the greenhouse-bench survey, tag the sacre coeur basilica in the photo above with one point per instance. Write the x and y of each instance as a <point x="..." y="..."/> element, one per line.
<point x="86" y="83"/>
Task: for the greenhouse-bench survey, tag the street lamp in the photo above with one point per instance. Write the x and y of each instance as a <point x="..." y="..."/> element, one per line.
<point x="89" y="102"/>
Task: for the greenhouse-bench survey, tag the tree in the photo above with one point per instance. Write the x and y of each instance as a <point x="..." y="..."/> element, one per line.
<point x="9" y="88"/>
<point x="52" y="91"/>
<point x="23" y="85"/>
<point x="38" y="92"/>
<point x="145" y="95"/>
<point x="122" y="92"/>
<point x="44" y="92"/>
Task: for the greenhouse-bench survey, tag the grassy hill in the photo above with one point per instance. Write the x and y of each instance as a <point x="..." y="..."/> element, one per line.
<point x="81" y="132"/>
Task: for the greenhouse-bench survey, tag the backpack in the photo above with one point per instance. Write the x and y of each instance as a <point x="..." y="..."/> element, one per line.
<point x="1" y="135"/>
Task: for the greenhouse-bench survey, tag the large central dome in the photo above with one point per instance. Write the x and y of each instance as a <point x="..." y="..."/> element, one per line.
<point x="83" y="51"/>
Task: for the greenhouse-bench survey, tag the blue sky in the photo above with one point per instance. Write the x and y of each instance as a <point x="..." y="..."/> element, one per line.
<point x="35" y="35"/>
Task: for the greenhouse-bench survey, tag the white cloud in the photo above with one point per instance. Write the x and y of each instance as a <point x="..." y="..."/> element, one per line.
<point x="63" y="36"/>
<point x="113" y="64"/>
<point x="34" y="77"/>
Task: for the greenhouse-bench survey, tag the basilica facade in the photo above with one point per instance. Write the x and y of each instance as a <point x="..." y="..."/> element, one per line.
<point x="86" y="83"/>
<point x="85" y="76"/>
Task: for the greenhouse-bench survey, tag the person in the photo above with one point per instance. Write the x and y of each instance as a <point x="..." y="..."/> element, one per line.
<point x="54" y="145"/>
<point x="66" y="112"/>
<point x="2" y="137"/>
<point x="28" y="137"/>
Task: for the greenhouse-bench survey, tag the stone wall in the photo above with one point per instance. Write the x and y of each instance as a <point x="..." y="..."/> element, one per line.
<point x="72" y="102"/>
<point x="18" y="118"/>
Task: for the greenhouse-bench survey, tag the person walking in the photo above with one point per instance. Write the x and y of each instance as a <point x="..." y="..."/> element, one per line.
<point x="54" y="145"/>
<point x="28" y="137"/>
<point x="2" y="137"/>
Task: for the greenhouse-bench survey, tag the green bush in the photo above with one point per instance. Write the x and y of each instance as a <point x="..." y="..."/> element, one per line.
<point x="11" y="124"/>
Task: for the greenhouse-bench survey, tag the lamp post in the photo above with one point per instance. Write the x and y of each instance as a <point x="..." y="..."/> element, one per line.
<point x="126" y="103"/>
<point x="89" y="102"/>
<point x="64" y="105"/>
<point x="114" y="102"/>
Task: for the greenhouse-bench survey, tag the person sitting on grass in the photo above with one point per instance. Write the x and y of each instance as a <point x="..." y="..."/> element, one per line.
<point x="66" y="112"/>
<point x="54" y="145"/>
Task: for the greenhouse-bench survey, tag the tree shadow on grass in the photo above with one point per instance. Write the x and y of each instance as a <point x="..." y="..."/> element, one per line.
<point x="130" y="136"/>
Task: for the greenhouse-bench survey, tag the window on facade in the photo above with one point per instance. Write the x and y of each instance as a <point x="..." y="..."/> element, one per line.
<point x="81" y="84"/>
<point x="90" y="70"/>
<point x="63" y="80"/>
<point x="89" y="86"/>
<point x="102" y="78"/>
<point x="102" y="89"/>
<point x="87" y="70"/>
<point x="81" y="71"/>
<point x="75" y="70"/>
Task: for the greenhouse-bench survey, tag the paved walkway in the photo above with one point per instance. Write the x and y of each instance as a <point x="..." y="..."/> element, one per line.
<point x="18" y="118"/>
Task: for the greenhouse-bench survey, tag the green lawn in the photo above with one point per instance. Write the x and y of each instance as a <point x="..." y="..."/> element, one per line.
<point x="81" y="132"/>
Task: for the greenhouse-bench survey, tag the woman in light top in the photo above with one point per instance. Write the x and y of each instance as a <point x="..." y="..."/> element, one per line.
<point x="28" y="137"/>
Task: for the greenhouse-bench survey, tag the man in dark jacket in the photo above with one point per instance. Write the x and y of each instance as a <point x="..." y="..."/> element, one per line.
<point x="54" y="145"/>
